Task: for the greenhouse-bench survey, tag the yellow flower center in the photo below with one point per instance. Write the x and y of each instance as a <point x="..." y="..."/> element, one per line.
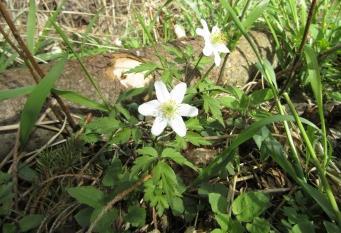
<point x="218" y="38"/>
<point x="169" y="109"/>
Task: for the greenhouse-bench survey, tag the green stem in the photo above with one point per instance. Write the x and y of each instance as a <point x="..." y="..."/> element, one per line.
<point x="317" y="163"/>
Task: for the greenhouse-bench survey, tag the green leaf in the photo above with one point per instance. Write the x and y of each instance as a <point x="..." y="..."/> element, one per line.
<point x="196" y="139"/>
<point x="103" y="125"/>
<point x="303" y="227"/>
<point x="36" y="100"/>
<point x="30" y="222"/>
<point x="331" y="227"/>
<point x="272" y="147"/>
<point x="249" y="205"/>
<point x="320" y="198"/>
<point x="88" y="195"/>
<point x="147" y="151"/>
<point x="177" y="206"/>
<point x="254" y="14"/>
<point x="11" y="228"/>
<point x="76" y="98"/>
<point x="218" y="203"/>
<point x="194" y="124"/>
<point x="107" y="220"/>
<point x="141" y="164"/>
<point x="25" y="172"/>
<point x="136" y="216"/>
<point x="177" y="157"/>
<point x="12" y="93"/>
<point x="268" y="72"/>
<point x="207" y="188"/>
<point x="213" y="105"/>
<point x="31" y="24"/>
<point x="83" y="217"/>
<point x="147" y="67"/>
<point x="122" y="136"/>
<point x="113" y="173"/>
<point x="336" y="96"/>
<point x="229" y="102"/>
<point x="226" y="156"/>
<point x="259" y="225"/>
<point x="314" y="74"/>
<point x="259" y="96"/>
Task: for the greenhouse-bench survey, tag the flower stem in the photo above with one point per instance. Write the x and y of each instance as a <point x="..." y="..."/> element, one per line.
<point x="189" y="77"/>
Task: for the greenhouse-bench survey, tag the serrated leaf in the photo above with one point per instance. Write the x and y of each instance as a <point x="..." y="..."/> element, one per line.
<point x="30" y="222"/>
<point x="88" y="195"/>
<point x="249" y="205"/>
<point x="136" y="216"/>
<point x="36" y="100"/>
<point x="213" y="106"/>
<point x="141" y="164"/>
<point x="143" y="67"/>
<point x="148" y="151"/>
<point x="196" y="139"/>
<point x="177" y="157"/>
<point x="103" y="125"/>
<point x="194" y="124"/>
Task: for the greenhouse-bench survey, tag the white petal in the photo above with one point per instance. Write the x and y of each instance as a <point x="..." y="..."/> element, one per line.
<point x="204" y="24"/>
<point x="221" y="48"/>
<point x="158" y="126"/>
<point x="217" y="59"/>
<point x="208" y="49"/>
<point x="200" y="32"/>
<point x="178" y="125"/>
<point x="187" y="110"/>
<point x="178" y="92"/>
<point x="162" y="93"/>
<point x="150" y="108"/>
<point x="215" y="30"/>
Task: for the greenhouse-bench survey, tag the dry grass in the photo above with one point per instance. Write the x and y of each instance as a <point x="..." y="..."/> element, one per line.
<point x="115" y="18"/>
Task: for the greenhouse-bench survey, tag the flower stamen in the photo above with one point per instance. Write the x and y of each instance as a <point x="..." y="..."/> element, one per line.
<point x="169" y="109"/>
<point x="218" y="38"/>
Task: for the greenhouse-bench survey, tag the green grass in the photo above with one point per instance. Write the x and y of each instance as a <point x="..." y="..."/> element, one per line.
<point x="139" y="177"/>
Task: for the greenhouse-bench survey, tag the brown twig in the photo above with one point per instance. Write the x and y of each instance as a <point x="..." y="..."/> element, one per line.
<point x="28" y="56"/>
<point x="116" y="199"/>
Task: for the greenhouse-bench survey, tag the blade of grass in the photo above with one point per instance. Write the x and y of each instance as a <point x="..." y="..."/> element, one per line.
<point x="254" y="14"/>
<point x="314" y="79"/>
<point x="48" y="26"/>
<point x="79" y="99"/>
<point x="31" y="24"/>
<point x="36" y="100"/>
<point x="12" y="93"/>
<point x="87" y="74"/>
<point x="247" y="134"/>
<point x="319" y="168"/>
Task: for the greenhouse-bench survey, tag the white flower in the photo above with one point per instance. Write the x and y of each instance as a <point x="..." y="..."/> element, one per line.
<point x="168" y="109"/>
<point x="214" y="42"/>
<point x="179" y="31"/>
